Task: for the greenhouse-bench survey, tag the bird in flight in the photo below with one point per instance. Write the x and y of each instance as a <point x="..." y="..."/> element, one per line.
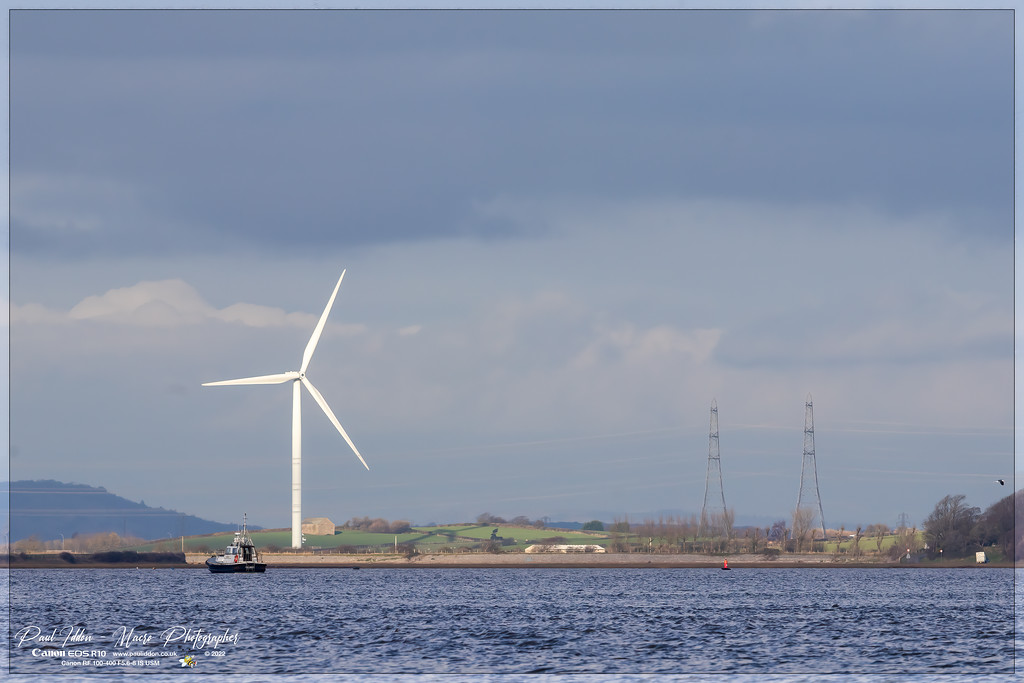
<point x="1001" y="482"/>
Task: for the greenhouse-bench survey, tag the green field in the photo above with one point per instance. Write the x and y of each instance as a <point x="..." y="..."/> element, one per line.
<point x="453" y="528"/>
<point x="528" y="535"/>
<point x="426" y="539"/>
<point x="868" y="544"/>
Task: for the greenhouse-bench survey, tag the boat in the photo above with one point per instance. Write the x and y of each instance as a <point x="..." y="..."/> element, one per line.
<point x="240" y="556"/>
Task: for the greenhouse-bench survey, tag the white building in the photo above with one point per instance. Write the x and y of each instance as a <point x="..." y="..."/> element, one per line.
<point x="565" y="549"/>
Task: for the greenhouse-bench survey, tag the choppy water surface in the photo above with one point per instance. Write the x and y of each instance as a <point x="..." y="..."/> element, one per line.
<point x="518" y="620"/>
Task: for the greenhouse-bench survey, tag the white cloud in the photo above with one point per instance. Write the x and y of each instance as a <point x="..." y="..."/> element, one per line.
<point x="149" y="304"/>
<point x="166" y="303"/>
<point x="254" y="315"/>
<point x="652" y="346"/>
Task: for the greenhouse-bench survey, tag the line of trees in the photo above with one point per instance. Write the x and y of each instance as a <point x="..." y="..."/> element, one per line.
<point x="77" y="543"/>
<point x="378" y="525"/>
<point x="521" y="520"/>
<point x="955" y="528"/>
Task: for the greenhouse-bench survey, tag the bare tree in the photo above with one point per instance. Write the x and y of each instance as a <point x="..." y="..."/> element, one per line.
<point x="357" y="523"/>
<point x="32" y="544"/>
<point x="620" y="529"/>
<point x="996" y="525"/>
<point x="878" y="532"/>
<point x="803" y="529"/>
<point x="950" y="526"/>
<point x="906" y="542"/>
<point x="754" y="537"/>
<point x="379" y="526"/>
<point x="728" y="517"/>
<point x="692" y="530"/>
<point x="400" y="526"/>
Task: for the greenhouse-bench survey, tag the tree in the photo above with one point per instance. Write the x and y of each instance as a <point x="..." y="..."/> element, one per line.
<point x="620" y="527"/>
<point x="803" y="527"/>
<point x="594" y="525"/>
<point x="996" y="526"/>
<point x="951" y="526"/>
<point x="400" y="526"/>
<point x="379" y="526"/>
<point x="878" y="532"/>
<point x="722" y="524"/>
<point x="1018" y="500"/>
<point x="754" y="538"/>
<point x="32" y="544"/>
<point x="906" y="541"/>
<point x="356" y="523"/>
<point x="488" y="518"/>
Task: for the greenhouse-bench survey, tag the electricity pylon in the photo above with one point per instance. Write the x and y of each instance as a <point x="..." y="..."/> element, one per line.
<point x="809" y="497"/>
<point x="713" y="490"/>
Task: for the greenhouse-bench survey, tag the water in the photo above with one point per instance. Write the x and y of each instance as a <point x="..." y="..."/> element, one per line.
<point x="505" y="621"/>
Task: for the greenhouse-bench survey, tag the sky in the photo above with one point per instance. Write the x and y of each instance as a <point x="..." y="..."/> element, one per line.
<point x="564" y="235"/>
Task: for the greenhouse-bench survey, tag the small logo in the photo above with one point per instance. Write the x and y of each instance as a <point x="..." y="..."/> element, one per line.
<point x="188" y="660"/>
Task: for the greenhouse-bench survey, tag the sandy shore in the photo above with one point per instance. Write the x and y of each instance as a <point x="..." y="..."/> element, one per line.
<point x="555" y="560"/>
<point x="499" y="560"/>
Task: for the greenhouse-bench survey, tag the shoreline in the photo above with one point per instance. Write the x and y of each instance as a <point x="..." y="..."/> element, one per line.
<point x="508" y="561"/>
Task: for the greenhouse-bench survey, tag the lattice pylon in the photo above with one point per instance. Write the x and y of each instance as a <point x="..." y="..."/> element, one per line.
<point x="713" y="491"/>
<point x="810" y="497"/>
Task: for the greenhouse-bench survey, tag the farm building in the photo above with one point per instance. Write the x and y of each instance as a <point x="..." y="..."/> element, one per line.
<point x="318" y="526"/>
<point x="565" y="549"/>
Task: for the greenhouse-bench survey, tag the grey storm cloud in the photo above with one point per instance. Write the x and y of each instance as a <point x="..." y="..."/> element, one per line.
<point x="309" y="128"/>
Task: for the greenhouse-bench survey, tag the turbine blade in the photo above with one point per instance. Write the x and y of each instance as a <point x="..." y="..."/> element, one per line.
<point x="263" y="379"/>
<point x="308" y="353"/>
<point x="327" y="409"/>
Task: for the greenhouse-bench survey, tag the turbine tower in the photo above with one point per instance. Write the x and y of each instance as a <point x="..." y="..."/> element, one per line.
<point x="298" y="380"/>
<point x="713" y="481"/>
<point x="809" y="497"/>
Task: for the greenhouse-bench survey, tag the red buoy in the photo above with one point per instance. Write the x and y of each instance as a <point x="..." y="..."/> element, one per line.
<point x="726" y="565"/>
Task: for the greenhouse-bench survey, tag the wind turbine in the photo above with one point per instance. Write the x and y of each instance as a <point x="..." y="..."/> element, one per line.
<point x="299" y="378"/>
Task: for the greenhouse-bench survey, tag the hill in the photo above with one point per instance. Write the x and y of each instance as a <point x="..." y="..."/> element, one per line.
<point x="46" y="509"/>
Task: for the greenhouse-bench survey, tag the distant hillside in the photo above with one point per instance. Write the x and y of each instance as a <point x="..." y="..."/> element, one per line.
<point x="46" y="509"/>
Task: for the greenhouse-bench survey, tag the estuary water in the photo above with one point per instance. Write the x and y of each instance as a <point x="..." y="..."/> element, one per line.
<point x="513" y="621"/>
